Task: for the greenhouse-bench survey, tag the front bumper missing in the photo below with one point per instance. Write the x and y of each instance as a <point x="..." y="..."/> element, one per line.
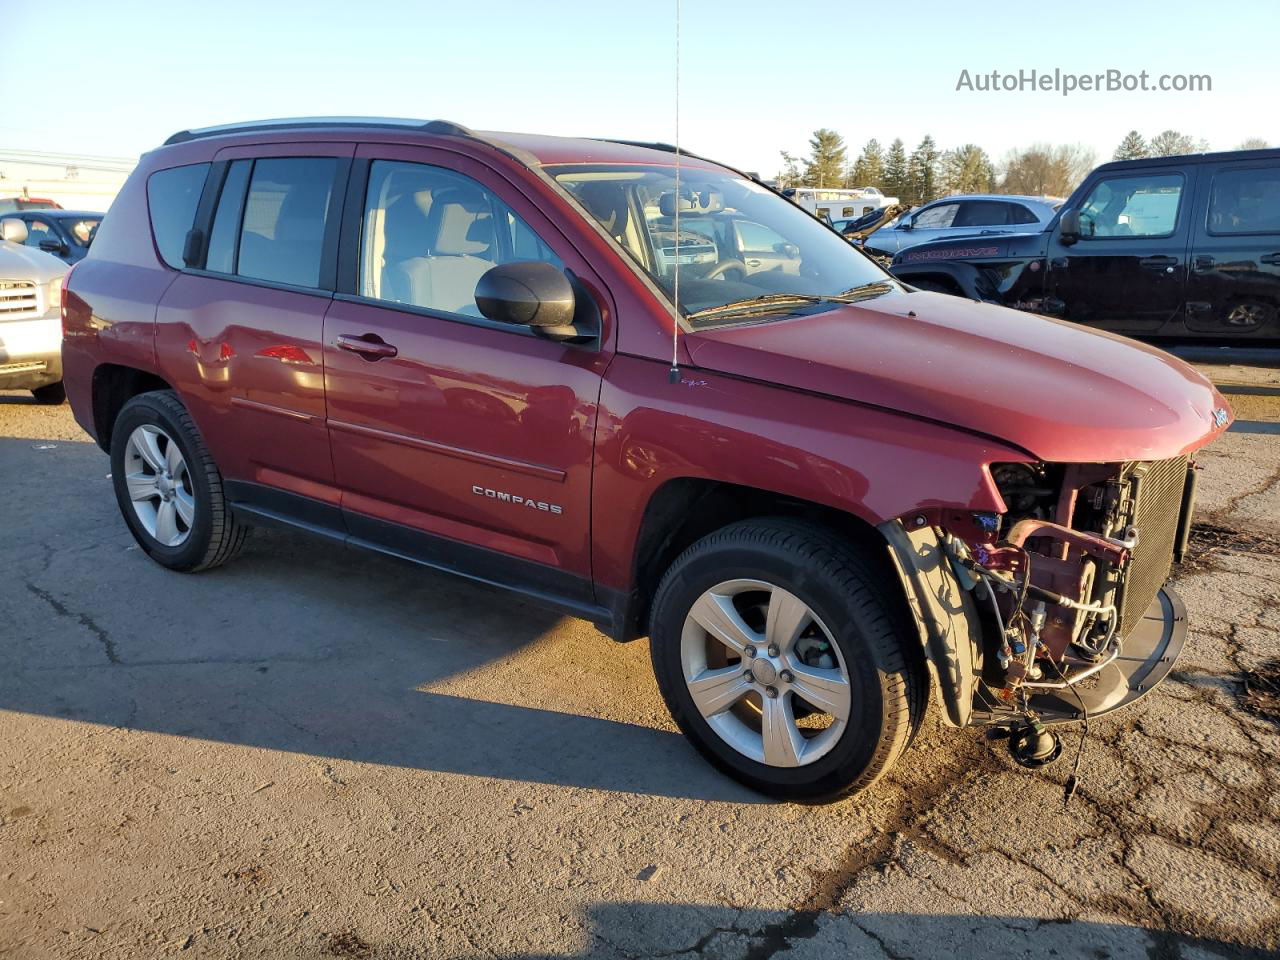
<point x="1147" y="655"/>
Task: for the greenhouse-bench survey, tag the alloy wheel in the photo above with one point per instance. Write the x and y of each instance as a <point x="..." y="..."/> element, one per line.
<point x="765" y="673"/>
<point x="159" y="485"/>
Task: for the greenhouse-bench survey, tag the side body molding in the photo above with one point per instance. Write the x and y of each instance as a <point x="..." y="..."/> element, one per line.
<point x="945" y="616"/>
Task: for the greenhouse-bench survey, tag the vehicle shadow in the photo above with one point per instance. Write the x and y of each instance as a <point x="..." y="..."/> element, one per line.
<point x="639" y="929"/>
<point x="305" y="646"/>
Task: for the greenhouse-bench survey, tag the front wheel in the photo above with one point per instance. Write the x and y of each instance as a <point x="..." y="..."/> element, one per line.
<point x="783" y="658"/>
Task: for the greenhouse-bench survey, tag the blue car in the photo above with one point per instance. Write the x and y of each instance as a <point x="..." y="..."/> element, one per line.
<point x="954" y="217"/>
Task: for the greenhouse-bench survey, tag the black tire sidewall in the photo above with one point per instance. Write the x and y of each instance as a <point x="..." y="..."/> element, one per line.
<point x="150" y="409"/>
<point x="857" y="747"/>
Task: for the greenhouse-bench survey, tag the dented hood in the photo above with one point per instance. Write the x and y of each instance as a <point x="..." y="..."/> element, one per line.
<point x="1061" y="392"/>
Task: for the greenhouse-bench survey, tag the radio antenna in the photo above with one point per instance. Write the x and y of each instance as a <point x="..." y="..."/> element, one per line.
<point x="674" y="374"/>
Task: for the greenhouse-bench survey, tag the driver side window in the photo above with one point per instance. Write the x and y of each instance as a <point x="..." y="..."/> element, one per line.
<point x="1142" y="206"/>
<point x="430" y="234"/>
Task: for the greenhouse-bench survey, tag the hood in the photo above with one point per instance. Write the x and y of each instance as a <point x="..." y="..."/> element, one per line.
<point x="19" y="262"/>
<point x="1061" y="392"/>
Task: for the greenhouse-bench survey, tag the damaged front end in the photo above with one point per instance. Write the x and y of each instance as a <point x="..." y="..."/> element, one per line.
<point x="1056" y="609"/>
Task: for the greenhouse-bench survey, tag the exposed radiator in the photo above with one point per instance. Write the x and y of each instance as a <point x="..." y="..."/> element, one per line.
<point x="1157" y="499"/>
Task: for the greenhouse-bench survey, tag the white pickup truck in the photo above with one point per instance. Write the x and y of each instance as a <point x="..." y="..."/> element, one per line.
<point x="30" y="316"/>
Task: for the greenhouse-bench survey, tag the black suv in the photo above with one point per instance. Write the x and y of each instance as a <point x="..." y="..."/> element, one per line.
<point x="1176" y="247"/>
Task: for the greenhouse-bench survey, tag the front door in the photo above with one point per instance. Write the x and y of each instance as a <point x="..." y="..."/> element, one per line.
<point x="1234" y="288"/>
<point x="449" y="430"/>
<point x="1127" y="270"/>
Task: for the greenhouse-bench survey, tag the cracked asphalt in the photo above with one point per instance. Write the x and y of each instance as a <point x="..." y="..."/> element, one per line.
<point x="317" y="753"/>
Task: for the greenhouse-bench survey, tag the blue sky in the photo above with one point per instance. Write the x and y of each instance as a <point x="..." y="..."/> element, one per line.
<point x="757" y="77"/>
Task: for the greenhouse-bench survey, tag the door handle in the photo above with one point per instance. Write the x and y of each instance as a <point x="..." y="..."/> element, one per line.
<point x="1271" y="259"/>
<point x="368" y="345"/>
<point x="1159" y="263"/>
<point x="1203" y="262"/>
<point x="753" y="263"/>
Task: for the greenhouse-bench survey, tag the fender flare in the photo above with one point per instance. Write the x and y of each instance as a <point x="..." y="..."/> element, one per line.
<point x="968" y="277"/>
<point x="945" y="616"/>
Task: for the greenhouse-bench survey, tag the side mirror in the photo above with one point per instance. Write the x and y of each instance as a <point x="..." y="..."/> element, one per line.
<point x="906" y="225"/>
<point x="1069" y="227"/>
<point x="788" y="250"/>
<point x="13" y="230"/>
<point x="530" y="293"/>
<point x="55" y="246"/>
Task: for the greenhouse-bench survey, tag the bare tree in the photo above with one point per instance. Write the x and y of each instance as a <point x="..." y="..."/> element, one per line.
<point x="1171" y="143"/>
<point x="1044" y="169"/>
<point x="1253" y="143"/>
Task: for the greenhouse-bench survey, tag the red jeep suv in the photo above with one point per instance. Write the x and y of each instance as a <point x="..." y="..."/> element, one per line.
<point x="822" y="494"/>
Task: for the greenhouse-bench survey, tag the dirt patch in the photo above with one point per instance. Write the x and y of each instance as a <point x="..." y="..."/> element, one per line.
<point x="1209" y="540"/>
<point x="346" y="943"/>
<point x="1261" y="695"/>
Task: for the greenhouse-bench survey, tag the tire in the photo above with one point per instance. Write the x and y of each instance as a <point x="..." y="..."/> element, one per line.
<point x="51" y="394"/>
<point x="205" y="532"/>
<point x="849" y="604"/>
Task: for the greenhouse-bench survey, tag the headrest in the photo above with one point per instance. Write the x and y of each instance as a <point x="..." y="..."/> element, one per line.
<point x="691" y="201"/>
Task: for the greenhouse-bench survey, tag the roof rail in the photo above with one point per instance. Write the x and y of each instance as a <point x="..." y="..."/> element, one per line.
<point x="670" y="148"/>
<point x="443" y="128"/>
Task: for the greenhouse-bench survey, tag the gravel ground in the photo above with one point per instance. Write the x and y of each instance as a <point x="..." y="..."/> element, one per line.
<point x="317" y="753"/>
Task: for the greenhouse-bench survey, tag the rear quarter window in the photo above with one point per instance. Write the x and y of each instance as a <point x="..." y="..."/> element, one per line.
<point x="172" y="197"/>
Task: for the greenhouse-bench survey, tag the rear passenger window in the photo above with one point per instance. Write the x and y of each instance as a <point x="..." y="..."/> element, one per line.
<point x="430" y="234"/>
<point x="226" y="221"/>
<point x="1020" y="214"/>
<point x="982" y="213"/>
<point x="1245" y="201"/>
<point x="172" y="197"/>
<point x="285" y="212"/>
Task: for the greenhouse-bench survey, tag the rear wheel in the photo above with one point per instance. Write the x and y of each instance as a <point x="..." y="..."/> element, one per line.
<point x="782" y="659"/>
<point x="168" y="488"/>
<point x="51" y="394"/>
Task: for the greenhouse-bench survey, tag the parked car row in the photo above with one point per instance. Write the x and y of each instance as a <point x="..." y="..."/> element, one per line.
<point x="1185" y="247"/>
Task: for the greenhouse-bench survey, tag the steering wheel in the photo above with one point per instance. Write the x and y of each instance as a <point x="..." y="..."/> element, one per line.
<point x="723" y="267"/>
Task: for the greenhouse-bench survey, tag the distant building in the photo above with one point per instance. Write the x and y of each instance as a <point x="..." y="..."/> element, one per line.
<point x="72" y="181"/>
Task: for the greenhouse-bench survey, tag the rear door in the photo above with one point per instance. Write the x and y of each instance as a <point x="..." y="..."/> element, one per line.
<point x="239" y="333"/>
<point x="449" y="430"/>
<point x="1234" y="286"/>
<point x="1127" y="271"/>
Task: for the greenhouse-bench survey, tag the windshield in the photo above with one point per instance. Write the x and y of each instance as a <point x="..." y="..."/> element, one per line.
<point x="739" y="242"/>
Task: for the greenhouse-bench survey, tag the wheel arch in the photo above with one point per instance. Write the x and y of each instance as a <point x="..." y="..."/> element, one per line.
<point x="113" y="386"/>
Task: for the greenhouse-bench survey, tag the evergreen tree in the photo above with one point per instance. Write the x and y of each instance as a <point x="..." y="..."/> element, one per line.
<point x="868" y="169"/>
<point x="967" y="169"/>
<point x="895" y="172"/>
<point x="922" y="172"/>
<point x="1132" y="147"/>
<point x="825" y="166"/>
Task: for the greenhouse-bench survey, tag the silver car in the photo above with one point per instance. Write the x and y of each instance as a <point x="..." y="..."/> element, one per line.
<point x="965" y="216"/>
<point x="30" y="316"/>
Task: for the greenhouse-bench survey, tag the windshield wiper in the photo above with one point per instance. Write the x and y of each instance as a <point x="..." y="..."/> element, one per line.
<point x="751" y="304"/>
